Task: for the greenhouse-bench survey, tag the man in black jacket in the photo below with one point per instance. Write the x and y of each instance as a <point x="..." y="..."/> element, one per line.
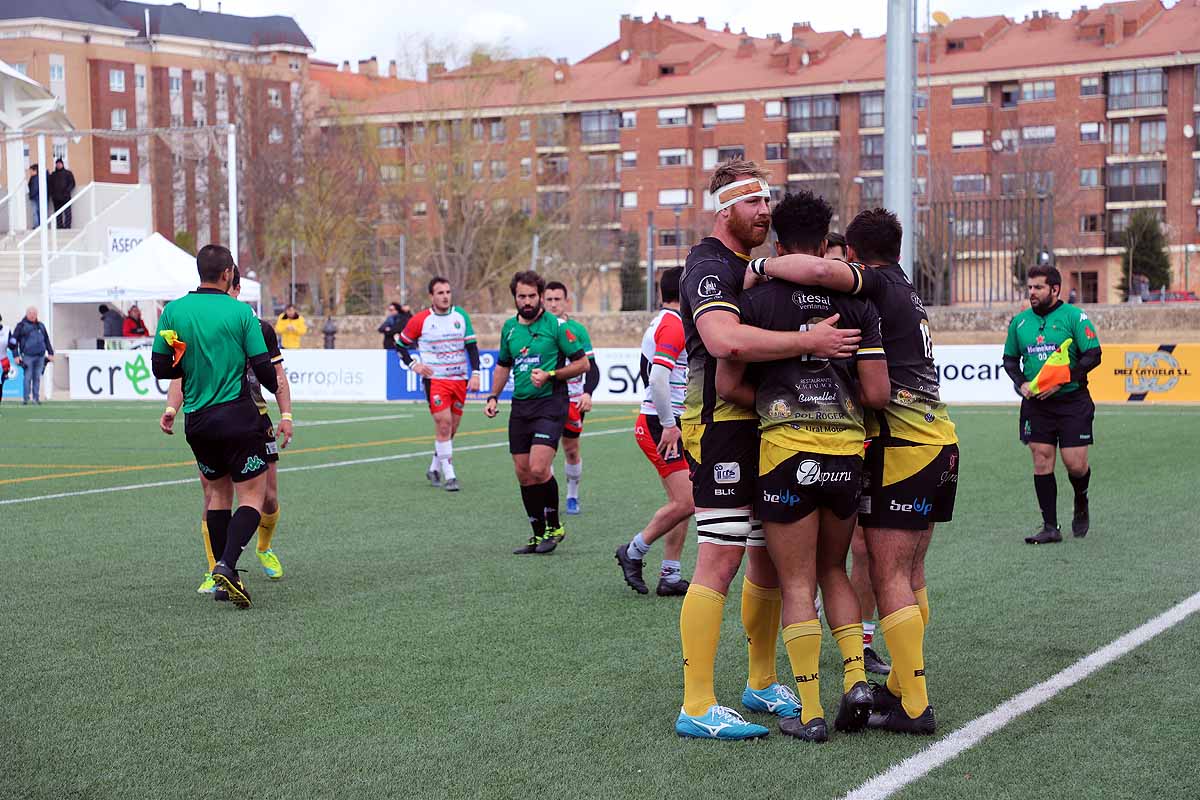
<point x="60" y="186"/>
<point x="31" y="342"/>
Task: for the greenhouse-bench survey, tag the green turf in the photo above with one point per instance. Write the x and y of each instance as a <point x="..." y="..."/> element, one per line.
<point x="406" y="654"/>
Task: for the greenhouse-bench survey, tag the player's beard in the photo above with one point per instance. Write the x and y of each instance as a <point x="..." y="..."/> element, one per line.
<point x="750" y="232"/>
<point x="529" y="312"/>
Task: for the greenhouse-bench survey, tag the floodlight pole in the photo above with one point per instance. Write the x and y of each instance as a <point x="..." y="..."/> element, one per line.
<point x="898" y="135"/>
<point x="233" y="191"/>
<point x="44" y="245"/>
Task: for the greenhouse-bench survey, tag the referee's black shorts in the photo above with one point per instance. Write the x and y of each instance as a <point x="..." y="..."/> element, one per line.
<point x="229" y="439"/>
<point x="537" y="421"/>
<point x="1063" y="420"/>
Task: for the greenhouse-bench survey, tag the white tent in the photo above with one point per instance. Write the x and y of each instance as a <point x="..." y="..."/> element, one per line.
<point x="154" y="270"/>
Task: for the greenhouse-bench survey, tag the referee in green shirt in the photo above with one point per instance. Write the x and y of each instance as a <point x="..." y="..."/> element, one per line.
<point x="535" y="349"/>
<point x="1060" y="417"/>
<point x="207" y="337"/>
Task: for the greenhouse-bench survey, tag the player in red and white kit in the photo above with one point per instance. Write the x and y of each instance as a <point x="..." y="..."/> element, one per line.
<point x="448" y="360"/>
<point x="665" y="371"/>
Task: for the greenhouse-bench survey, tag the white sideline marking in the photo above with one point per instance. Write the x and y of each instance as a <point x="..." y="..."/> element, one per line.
<point x="917" y="766"/>
<point x="326" y="465"/>
<point x="345" y="420"/>
<point x="143" y="420"/>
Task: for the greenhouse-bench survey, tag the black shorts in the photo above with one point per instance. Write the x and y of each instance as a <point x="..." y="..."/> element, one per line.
<point x="269" y="433"/>
<point x="228" y="439"/>
<point x="1062" y="420"/>
<point x="723" y="459"/>
<point x="537" y="421"/>
<point x="908" y="485"/>
<point x="806" y="482"/>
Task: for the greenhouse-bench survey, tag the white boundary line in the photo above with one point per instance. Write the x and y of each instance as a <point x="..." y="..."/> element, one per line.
<point x="325" y="465"/>
<point x="917" y="766"/>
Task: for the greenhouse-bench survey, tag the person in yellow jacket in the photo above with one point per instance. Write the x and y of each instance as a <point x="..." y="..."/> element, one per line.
<point x="290" y="326"/>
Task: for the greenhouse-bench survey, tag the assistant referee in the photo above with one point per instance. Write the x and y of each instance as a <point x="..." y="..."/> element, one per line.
<point x="207" y="337"/>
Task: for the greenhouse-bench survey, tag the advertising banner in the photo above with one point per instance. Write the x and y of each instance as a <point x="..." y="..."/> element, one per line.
<point x="1147" y="373"/>
<point x="114" y="375"/>
<point x="336" y="374"/>
<point x="973" y="374"/>
<point x="121" y="240"/>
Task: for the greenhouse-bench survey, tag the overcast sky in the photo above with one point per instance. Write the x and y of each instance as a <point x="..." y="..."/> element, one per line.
<point x="573" y="29"/>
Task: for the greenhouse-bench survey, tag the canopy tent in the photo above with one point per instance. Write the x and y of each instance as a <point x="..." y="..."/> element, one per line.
<point x="154" y="270"/>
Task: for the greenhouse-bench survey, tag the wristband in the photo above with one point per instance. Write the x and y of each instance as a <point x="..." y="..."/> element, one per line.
<point x="552" y="372"/>
<point x="286" y="416"/>
<point x="759" y="266"/>
<point x="495" y="397"/>
<point x="170" y="411"/>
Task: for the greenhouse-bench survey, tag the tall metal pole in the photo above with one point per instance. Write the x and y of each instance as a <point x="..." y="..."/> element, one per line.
<point x="403" y="270"/>
<point x="292" y="295"/>
<point x="649" y="260"/>
<point x="898" y="135"/>
<point x="48" y="312"/>
<point x="533" y="254"/>
<point x="231" y="169"/>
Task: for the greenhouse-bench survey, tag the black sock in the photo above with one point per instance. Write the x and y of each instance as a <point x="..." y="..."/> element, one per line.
<point x="1080" y="484"/>
<point x="550" y="502"/>
<point x="241" y="529"/>
<point x="531" y="496"/>
<point x="218" y="529"/>
<point x="1047" y="496"/>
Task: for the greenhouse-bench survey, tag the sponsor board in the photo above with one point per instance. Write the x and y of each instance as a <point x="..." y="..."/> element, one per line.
<point x="121" y="240"/>
<point x="1147" y="373"/>
<point x="113" y="375"/>
<point x="973" y="374"/>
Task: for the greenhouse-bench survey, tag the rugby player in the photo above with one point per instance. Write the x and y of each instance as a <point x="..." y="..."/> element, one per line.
<point x="812" y="428"/>
<point x="911" y="469"/>
<point x="448" y="361"/>
<point x="721" y="444"/>
<point x="1059" y="417"/>
<point x="535" y="349"/>
<point x="664" y="369"/>
<point x="206" y="337"/>
<point x="835" y="246"/>
<point x="270" y="515"/>
<point x="579" y="391"/>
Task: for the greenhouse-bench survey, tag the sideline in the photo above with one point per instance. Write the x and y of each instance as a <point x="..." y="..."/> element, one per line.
<point x="917" y="766"/>
<point x="305" y="468"/>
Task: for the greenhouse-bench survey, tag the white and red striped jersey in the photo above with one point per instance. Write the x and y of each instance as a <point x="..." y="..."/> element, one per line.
<point x="663" y="343"/>
<point x="576" y="330"/>
<point x="441" y="341"/>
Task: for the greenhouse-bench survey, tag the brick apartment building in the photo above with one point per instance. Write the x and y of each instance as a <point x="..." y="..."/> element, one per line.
<point x="1097" y="111"/>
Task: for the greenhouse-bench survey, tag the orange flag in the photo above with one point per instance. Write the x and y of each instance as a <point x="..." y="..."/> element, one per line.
<point x="178" y="346"/>
<point x="1055" y="372"/>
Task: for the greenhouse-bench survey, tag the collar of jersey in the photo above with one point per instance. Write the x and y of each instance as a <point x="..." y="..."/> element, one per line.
<point x="1049" y="311"/>
<point x="445" y="313"/>
<point x="203" y="290"/>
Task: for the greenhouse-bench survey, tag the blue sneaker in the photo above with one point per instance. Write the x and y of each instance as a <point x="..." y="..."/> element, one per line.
<point x="718" y="722"/>
<point x="776" y="699"/>
<point x="572" y="505"/>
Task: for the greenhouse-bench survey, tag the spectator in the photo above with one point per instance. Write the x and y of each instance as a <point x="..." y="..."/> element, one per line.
<point x="60" y="184"/>
<point x="290" y="327"/>
<point x="5" y="364"/>
<point x="31" y="342"/>
<point x="133" y="325"/>
<point x="1073" y="296"/>
<point x="391" y="326"/>
<point x="113" y="321"/>
<point x="33" y="196"/>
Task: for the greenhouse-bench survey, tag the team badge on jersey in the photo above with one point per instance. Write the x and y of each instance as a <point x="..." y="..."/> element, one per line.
<point x="709" y="287"/>
<point x="779" y="409"/>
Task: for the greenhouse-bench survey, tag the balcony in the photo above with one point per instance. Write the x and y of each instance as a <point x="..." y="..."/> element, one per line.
<point x="810" y="164"/>
<point x="1136" y="193"/>
<point x="871" y="161"/>
<point x="601" y="136"/>
<point x="812" y="124"/>
<point x="1125" y="102"/>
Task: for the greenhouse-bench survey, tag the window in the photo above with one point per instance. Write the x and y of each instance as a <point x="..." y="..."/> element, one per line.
<point x="118" y="160"/>
<point x="1010" y="94"/>
<point x="1120" y="138"/>
<point x="628" y="199"/>
<point x="177" y="120"/>
<point x="198" y="85"/>
<point x="456" y="130"/>
<point x="776" y="151"/>
<point x="419" y="132"/>
<point x="920" y="142"/>
<point x="1089" y="177"/>
<point x="477" y="167"/>
<point x="499" y="170"/>
<point x="199" y="117"/>
<point x="391" y="173"/>
<point x="812" y="156"/>
<point x="118" y="119"/>
<point x="870" y="110"/>
<point x="275" y="135"/>
<point x="477" y="130"/>
<point x="1009" y="137"/>
<point x="1141" y="88"/>
<point x="871" y="154"/>
<point x="175" y="84"/>
<point x="968" y="95"/>
<point x="389" y="136"/>
<point x="730" y="153"/>
<point x="1152" y="136"/>
<point x="140" y="83"/>
<point x="731" y="112"/>
<point x="629" y="159"/>
<point x="418" y="170"/>
<point x="667" y="237"/>
<point x="675" y="157"/>
<point x="58" y="72"/>
<point x="523" y="130"/>
<point x="420" y="209"/>
<point x="274" y="98"/>
<point x="116" y="82"/>
<point x="1037" y="90"/>
<point x="460" y="169"/>
<point x="497" y="130"/>
<point x="1091" y="223"/>
<point x="970" y="227"/>
<point x="872" y="190"/>
<point x="628" y="119"/>
<point x="773" y="108"/>
<point x="526" y="206"/>
<point x="441" y="133"/>
<point x="294" y="65"/>
<point x="600" y="127"/>
<point x="1091" y="132"/>
<point x="962" y="140"/>
<point x="668" y="117"/>
<point x="23" y="68"/>
<point x="816" y="113"/>
<point x="1037" y="134"/>
<point x="675" y="197"/>
<point x="1040" y="183"/>
<point x="975" y="183"/>
<point x="1009" y="184"/>
<point x="526" y="167"/>
<point x="1089" y="86"/>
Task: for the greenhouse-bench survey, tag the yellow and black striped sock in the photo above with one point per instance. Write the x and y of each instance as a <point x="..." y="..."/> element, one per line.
<point x="761" y="608"/>
<point x="266" y="530"/>
<point x="905" y="635"/>
<point x="850" y="641"/>
<point x="803" y="642"/>
<point x="699" y="633"/>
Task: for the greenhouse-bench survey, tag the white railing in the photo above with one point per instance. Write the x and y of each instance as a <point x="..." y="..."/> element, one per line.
<point x="67" y="252"/>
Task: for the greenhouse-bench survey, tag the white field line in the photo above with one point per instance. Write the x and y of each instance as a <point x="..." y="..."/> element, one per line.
<point x="346" y="420"/>
<point x="151" y="420"/>
<point x="917" y="766"/>
<point x="326" y="465"/>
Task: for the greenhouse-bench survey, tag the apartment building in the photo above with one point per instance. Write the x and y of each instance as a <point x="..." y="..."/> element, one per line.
<point x="1097" y="112"/>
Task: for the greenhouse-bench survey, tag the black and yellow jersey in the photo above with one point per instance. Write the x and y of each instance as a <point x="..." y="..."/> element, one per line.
<point x="276" y="356"/>
<point x="809" y="404"/>
<point x="712" y="281"/>
<point x="916" y="412"/>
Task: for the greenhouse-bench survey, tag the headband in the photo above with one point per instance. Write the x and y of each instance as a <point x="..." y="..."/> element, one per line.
<point x="736" y="192"/>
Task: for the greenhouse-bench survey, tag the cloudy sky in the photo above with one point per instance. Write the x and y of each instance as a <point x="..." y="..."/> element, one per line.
<point x="396" y="28"/>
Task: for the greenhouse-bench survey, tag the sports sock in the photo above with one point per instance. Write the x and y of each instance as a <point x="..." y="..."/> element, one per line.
<point x="670" y="571"/>
<point x="761" y="607"/>
<point x="208" y="551"/>
<point x="241" y="527"/>
<point x="637" y="548"/>
<point x="699" y="633"/>
<point x="1047" y="496"/>
<point x="803" y="642"/>
<point x="1080" y="485"/>
<point x="531" y="496"/>
<point x="849" y="640"/>
<point x="868" y="632"/>
<point x="574" y="475"/>
<point x="217" y="523"/>
<point x="905" y="635"/>
<point x="550" y="503"/>
<point x="923" y="604"/>
<point x="266" y="530"/>
<point x="445" y="457"/>
<point x="435" y="464"/>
